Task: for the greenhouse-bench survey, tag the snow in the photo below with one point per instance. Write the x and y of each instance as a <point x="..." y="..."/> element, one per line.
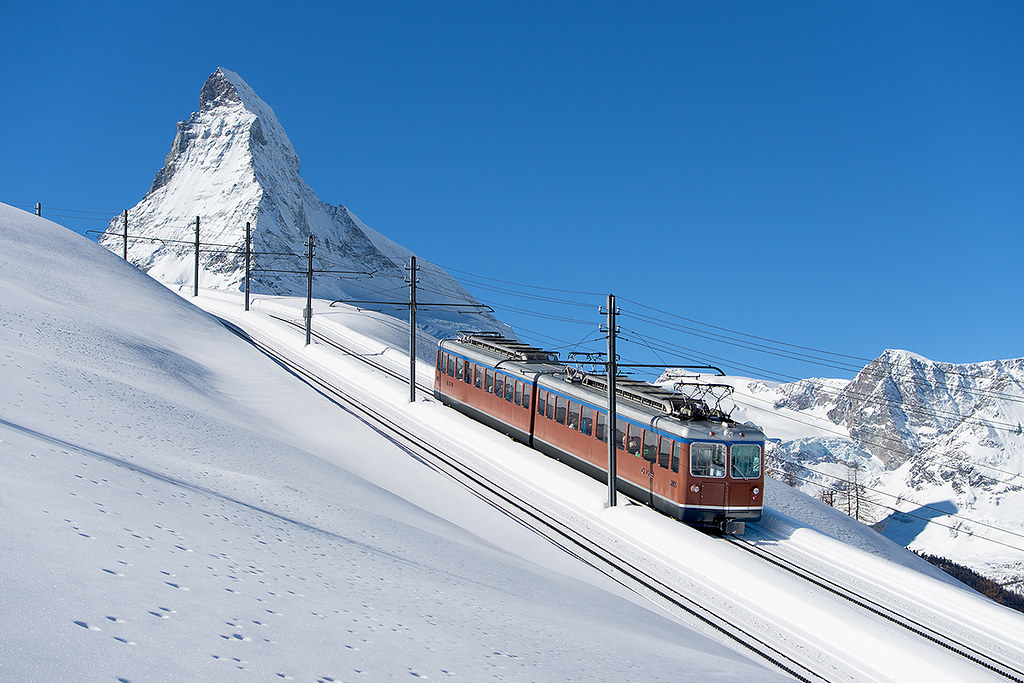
<point x="175" y="506"/>
<point x="960" y="473"/>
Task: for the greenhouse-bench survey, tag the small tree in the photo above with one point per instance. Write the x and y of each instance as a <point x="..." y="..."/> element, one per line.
<point x="851" y="496"/>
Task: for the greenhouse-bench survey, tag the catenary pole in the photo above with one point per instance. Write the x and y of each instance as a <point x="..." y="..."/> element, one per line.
<point x="124" y="244"/>
<point x="195" y="283"/>
<point x="248" y="254"/>
<point x="39" y="209"/>
<point x="412" y="329"/>
<point x="309" y="290"/>
<point x="612" y="417"/>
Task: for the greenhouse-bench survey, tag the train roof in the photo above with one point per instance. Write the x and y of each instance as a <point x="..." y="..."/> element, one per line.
<point x="532" y="360"/>
<point x="507" y="348"/>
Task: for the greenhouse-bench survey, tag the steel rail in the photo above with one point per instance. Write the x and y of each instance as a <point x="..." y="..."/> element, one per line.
<point x="612" y="565"/>
<point x="916" y="627"/>
<point x="975" y="656"/>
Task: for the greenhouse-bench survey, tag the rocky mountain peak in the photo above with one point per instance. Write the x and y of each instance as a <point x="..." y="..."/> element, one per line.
<point x="219" y="90"/>
<point x="231" y="163"/>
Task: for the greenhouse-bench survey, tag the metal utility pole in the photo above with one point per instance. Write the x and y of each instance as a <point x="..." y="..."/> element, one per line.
<point x="39" y="209"/>
<point x="124" y="248"/>
<point x="412" y="328"/>
<point x="612" y="418"/>
<point x="309" y="290"/>
<point x="248" y="253"/>
<point x="195" y="284"/>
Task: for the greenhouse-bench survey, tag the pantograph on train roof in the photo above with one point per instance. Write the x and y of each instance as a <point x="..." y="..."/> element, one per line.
<point x="688" y="401"/>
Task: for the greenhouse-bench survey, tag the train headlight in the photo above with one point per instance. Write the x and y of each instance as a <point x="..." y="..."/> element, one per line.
<point x="695" y="488"/>
<point x="756" y="490"/>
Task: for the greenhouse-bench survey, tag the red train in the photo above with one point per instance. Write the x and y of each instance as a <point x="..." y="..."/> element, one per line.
<point x="674" y="452"/>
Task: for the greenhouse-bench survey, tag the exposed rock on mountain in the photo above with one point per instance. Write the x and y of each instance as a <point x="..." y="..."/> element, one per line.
<point x="232" y="163"/>
<point x="928" y="440"/>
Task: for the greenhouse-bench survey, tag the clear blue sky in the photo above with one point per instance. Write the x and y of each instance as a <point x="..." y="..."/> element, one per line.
<point x="841" y="176"/>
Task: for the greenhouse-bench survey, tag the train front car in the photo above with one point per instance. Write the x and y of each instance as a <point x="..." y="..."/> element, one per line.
<point x="673" y="452"/>
<point x="722" y="482"/>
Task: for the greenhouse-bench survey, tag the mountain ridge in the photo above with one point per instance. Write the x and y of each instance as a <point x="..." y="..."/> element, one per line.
<point x="232" y="163"/>
<point x="944" y="437"/>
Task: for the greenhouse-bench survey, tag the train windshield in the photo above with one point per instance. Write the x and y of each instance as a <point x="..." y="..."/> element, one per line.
<point x="707" y="459"/>
<point x="746" y="461"/>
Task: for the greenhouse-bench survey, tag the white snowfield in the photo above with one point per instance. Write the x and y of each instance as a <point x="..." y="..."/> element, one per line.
<point x="827" y="632"/>
<point x="175" y="506"/>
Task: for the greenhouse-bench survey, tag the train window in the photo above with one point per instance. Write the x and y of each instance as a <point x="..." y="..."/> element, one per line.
<point x="746" y="461"/>
<point x="458" y="368"/>
<point x="707" y="459"/>
<point x="526" y="396"/>
<point x="477" y="376"/>
<point x="620" y="433"/>
<point x="541" y="402"/>
<point x="586" y="420"/>
<point x="665" y="452"/>
<point x="551" y="407"/>
<point x="675" y="456"/>
<point x="599" y="432"/>
<point x="440" y="360"/>
<point x="451" y="367"/>
<point x="499" y="385"/>
<point x="560" y="411"/>
<point x="489" y="382"/>
<point x="633" y="440"/>
<point x="470" y="369"/>
<point x="574" y="415"/>
<point x="509" y="389"/>
<point x="650" y="451"/>
<point x="519" y="394"/>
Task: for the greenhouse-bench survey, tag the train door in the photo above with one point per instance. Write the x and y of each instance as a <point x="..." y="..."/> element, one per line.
<point x="649" y="451"/>
<point x="707" y="461"/>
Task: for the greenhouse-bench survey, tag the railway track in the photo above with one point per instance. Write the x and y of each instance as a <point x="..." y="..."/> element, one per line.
<point x="613" y="565"/>
<point x="950" y="643"/>
<point x="616" y="566"/>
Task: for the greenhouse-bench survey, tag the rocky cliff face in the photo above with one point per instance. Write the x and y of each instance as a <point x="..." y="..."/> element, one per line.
<point x="936" y="441"/>
<point x="232" y="163"/>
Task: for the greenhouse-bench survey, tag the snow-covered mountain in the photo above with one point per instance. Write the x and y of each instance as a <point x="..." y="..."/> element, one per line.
<point x="936" y="441"/>
<point x="232" y="163"/>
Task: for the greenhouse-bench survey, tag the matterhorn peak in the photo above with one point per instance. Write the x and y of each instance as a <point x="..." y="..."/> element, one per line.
<point x="221" y="88"/>
<point x="231" y="164"/>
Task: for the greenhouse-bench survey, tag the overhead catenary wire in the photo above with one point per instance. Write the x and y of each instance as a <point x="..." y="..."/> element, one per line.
<point x="879" y="441"/>
<point x="864" y="370"/>
<point x="825" y="388"/>
<point x="798" y="352"/>
<point x="742" y="340"/>
<point x="916" y="409"/>
<point x="757" y="343"/>
<point x="930" y="520"/>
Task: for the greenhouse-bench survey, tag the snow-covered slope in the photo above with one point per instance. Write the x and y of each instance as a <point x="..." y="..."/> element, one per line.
<point x="232" y="163"/>
<point x="936" y="441"/>
<point x="175" y="507"/>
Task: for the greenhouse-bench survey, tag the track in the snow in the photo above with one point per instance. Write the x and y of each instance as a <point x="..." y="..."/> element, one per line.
<point x="616" y="567"/>
<point x="948" y="642"/>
